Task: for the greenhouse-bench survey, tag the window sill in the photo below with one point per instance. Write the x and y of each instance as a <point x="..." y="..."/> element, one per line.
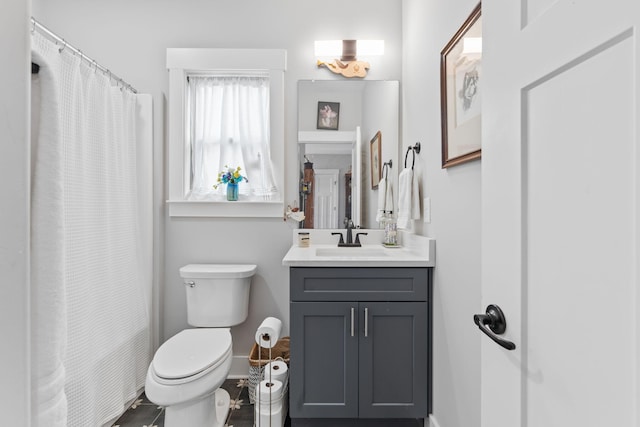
<point x="225" y="209"/>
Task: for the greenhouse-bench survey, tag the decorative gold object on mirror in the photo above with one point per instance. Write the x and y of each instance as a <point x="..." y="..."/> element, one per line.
<point x="347" y="69"/>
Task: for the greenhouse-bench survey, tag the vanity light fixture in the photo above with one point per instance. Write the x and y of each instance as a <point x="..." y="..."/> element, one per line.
<point x="348" y="65"/>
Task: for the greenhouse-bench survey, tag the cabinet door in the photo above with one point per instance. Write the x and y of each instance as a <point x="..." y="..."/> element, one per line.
<point x="393" y="360"/>
<point x="324" y="366"/>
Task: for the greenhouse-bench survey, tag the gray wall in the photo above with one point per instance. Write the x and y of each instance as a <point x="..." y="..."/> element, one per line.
<point x="455" y="220"/>
<point x="131" y="37"/>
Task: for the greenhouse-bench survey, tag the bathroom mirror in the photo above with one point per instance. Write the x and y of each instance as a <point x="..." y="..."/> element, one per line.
<point x="335" y="171"/>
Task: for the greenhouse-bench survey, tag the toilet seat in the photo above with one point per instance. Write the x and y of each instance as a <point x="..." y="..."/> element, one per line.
<point x="191" y="354"/>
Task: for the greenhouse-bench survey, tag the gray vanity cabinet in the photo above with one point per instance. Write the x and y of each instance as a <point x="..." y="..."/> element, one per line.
<point x="360" y="343"/>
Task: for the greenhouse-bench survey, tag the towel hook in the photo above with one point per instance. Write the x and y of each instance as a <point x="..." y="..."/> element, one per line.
<point x="415" y="149"/>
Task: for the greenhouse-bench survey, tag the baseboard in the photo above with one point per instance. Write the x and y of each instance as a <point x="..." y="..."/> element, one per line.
<point x="239" y="367"/>
<point x="431" y="422"/>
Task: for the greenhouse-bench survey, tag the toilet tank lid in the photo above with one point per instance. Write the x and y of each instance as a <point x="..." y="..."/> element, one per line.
<point x="223" y="271"/>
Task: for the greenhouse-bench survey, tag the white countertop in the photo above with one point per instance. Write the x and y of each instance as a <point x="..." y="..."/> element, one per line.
<point x="414" y="251"/>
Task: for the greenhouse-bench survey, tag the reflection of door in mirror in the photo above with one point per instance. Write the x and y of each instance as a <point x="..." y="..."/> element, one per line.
<point x="322" y="192"/>
<point x="325" y="198"/>
<point x="366" y="107"/>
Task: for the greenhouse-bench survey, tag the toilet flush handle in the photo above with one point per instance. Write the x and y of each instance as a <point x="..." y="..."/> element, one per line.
<point x="191" y="284"/>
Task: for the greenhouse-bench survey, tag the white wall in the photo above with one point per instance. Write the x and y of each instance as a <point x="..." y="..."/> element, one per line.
<point x="376" y="118"/>
<point x="349" y="96"/>
<point x="130" y="38"/>
<point x="455" y="221"/>
<point x="14" y="215"/>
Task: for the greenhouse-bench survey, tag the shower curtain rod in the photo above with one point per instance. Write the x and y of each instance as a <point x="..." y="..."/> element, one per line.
<point x="57" y="39"/>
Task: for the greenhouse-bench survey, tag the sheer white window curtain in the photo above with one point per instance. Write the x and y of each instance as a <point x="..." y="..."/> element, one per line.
<point x="228" y="125"/>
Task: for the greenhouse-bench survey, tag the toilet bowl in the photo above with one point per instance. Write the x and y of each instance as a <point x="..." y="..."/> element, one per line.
<point x="188" y="369"/>
<point x="185" y="375"/>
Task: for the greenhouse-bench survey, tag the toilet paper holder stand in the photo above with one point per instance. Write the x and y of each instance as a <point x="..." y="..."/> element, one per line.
<point x="282" y="400"/>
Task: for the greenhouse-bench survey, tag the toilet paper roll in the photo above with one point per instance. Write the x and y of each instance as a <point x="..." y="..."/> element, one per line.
<point x="270" y="390"/>
<point x="276" y="370"/>
<point x="268" y="332"/>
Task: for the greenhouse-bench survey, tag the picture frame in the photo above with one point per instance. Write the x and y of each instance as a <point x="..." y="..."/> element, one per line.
<point x="375" y="159"/>
<point x="328" y="115"/>
<point x="460" y="93"/>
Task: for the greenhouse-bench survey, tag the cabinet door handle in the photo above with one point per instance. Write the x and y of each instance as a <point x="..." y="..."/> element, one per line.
<point x="353" y="321"/>
<point x="366" y="322"/>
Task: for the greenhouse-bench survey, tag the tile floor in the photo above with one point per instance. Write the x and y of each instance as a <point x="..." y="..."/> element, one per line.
<point x="145" y="414"/>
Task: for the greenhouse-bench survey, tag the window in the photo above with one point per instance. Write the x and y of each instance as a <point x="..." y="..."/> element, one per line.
<point x="226" y="107"/>
<point x="228" y="126"/>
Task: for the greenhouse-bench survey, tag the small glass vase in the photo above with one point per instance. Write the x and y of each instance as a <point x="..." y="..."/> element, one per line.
<point x="232" y="191"/>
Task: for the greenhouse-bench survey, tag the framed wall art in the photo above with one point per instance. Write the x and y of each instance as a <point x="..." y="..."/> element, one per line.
<point x="328" y="115"/>
<point x="461" y="92"/>
<point x="375" y="164"/>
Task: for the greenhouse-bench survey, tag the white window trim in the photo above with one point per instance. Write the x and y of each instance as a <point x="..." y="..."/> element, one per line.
<point x="184" y="61"/>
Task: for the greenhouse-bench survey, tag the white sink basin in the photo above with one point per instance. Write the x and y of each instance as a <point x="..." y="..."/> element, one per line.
<point x="347" y="252"/>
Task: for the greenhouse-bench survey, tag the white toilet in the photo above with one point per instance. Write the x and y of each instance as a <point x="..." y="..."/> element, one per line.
<point x="188" y="369"/>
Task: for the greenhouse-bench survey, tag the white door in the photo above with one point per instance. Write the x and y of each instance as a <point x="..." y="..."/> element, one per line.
<point x="325" y="198"/>
<point x="560" y="217"/>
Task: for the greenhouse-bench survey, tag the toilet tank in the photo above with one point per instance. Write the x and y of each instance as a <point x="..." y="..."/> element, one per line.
<point x="217" y="294"/>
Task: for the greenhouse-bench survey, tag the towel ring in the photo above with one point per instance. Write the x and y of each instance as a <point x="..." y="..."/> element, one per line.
<point x="414" y="149"/>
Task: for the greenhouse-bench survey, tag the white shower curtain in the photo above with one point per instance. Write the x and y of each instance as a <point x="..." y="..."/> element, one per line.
<point x="90" y="322"/>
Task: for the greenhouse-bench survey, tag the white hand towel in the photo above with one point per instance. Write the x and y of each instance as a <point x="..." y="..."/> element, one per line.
<point x="388" y="204"/>
<point x="408" y="198"/>
<point x="405" y="183"/>
<point x="415" y="197"/>
<point x="385" y="198"/>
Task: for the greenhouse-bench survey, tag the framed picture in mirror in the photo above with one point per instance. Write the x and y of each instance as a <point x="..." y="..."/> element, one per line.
<point x="460" y="93"/>
<point x="375" y="163"/>
<point x="328" y="115"/>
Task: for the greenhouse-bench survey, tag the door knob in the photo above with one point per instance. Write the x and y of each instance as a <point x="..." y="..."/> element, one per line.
<point x="493" y="323"/>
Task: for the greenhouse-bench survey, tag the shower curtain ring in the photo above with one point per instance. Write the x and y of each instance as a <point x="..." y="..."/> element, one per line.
<point x="63" y="46"/>
<point x="33" y="26"/>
